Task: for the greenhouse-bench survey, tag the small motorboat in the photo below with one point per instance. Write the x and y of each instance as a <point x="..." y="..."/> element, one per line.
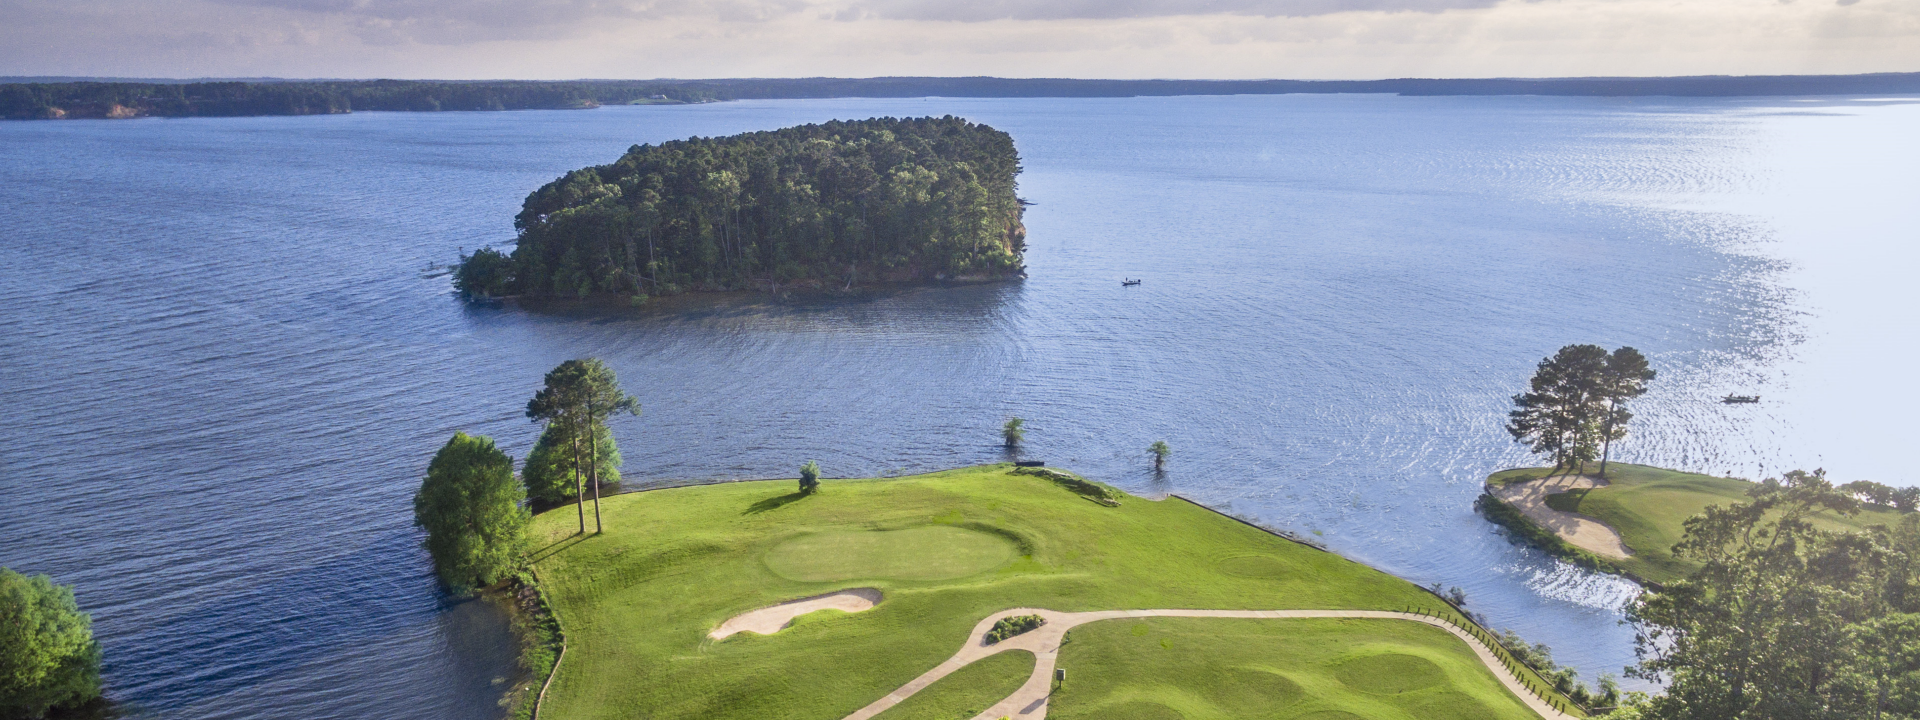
<point x="1740" y="399"/>
<point x="1128" y="283"/>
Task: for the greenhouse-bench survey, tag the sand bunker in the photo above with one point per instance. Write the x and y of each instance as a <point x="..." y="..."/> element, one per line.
<point x="770" y="620"/>
<point x="1583" y="532"/>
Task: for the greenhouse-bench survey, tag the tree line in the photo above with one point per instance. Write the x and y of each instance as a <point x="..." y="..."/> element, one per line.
<point x="224" y="99"/>
<point x="99" y="99"/>
<point x="833" y="204"/>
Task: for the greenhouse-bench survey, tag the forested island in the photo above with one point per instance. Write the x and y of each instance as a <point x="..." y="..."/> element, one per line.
<point x="835" y="205"/>
<point x="69" y="98"/>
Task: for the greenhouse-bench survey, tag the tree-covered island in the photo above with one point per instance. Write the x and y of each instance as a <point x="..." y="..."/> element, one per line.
<point x="834" y="205"/>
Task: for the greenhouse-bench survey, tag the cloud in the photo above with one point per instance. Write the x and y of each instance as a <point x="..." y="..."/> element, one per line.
<point x="983" y="10"/>
<point x="1306" y="39"/>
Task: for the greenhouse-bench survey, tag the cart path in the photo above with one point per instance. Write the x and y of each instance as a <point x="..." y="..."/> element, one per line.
<point x="773" y="618"/>
<point x="1030" y="701"/>
<point x="1586" y="533"/>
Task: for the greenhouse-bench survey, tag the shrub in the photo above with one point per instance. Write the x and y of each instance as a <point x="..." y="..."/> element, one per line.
<point x="809" y="478"/>
<point x="1013" y="432"/>
<point x="1010" y="626"/>
<point x="1079" y="485"/>
<point x="48" y="657"/>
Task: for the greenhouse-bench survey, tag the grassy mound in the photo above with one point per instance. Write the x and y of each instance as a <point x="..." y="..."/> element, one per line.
<point x="969" y="691"/>
<point x="1281" y="669"/>
<point x="1649" y="506"/>
<point x="637" y="602"/>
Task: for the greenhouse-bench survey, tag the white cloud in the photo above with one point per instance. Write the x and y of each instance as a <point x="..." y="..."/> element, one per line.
<point x="1014" y="38"/>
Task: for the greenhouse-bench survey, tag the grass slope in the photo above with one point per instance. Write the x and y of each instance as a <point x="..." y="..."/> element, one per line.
<point x="636" y="602"/>
<point x="1649" y="506"/>
<point x="969" y="691"/>
<point x="1196" y="668"/>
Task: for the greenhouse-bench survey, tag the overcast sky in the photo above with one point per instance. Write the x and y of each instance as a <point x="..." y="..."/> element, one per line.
<point x="1308" y="39"/>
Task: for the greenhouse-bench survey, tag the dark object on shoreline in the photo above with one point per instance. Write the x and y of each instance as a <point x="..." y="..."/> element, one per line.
<point x="1740" y="399"/>
<point x="1029" y="463"/>
<point x="1127" y="283"/>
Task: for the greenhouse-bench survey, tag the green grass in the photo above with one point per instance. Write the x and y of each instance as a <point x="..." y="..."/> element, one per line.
<point x="969" y="691"/>
<point x="636" y="602"/>
<point x="1197" y="668"/>
<point x="1649" y="507"/>
<point x="928" y="552"/>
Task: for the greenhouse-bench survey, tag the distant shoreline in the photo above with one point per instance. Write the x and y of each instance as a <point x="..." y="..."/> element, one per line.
<point x="51" y="98"/>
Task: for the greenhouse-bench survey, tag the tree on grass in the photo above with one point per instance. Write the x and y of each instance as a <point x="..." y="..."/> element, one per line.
<point x="1160" y="453"/>
<point x="1560" y="414"/>
<point x="1784" y="619"/>
<point x="1624" y="377"/>
<point x="1013" y="432"/>
<point x="48" y="657"/>
<point x="470" y="507"/>
<point x="550" y="473"/>
<point x="579" y="396"/>
<point x="809" y="477"/>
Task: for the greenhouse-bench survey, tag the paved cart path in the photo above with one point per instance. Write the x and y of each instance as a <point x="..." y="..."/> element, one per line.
<point x="1030" y="701"/>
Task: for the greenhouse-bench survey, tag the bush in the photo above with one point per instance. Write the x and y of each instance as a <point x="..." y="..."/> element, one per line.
<point x="809" y="477"/>
<point x="470" y="507"/>
<point x="1079" y="485"/>
<point x="1010" y="626"/>
<point x="48" y="657"/>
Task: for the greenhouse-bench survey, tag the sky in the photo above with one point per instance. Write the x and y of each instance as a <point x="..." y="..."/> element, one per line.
<point x="1294" y="39"/>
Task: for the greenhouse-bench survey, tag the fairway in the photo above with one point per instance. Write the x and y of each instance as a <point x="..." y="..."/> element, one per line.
<point x="1649" y="507"/>
<point x="1197" y="668"/>
<point x="931" y="552"/>
<point x="968" y="691"/>
<point x="943" y="552"/>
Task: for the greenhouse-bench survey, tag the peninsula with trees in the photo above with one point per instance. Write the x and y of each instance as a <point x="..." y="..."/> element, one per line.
<point x="835" y="205"/>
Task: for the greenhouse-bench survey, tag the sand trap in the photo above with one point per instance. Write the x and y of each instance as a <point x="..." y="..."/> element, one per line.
<point x="1586" y="533"/>
<point x="770" y="620"/>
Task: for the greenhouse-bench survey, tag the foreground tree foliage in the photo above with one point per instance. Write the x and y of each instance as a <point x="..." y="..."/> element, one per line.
<point x="470" y="506"/>
<point x="1786" y="620"/>
<point x="575" y="403"/>
<point x="835" y="204"/>
<point x="48" y="657"/>
<point x="1576" y="403"/>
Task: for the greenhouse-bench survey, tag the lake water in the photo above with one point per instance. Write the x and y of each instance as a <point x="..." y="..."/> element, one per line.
<point x="228" y="364"/>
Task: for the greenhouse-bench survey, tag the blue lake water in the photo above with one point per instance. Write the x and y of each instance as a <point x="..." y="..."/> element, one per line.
<point x="228" y="364"/>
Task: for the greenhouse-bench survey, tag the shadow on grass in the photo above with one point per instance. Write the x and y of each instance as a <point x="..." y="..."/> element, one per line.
<point x="557" y="546"/>
<point x="774" y="503"/>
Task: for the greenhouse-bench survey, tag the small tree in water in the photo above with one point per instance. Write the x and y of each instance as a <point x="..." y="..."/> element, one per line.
<point x="48" y="657"/>
<point x="1013" y="432"/>
<point x="809" y="477"/>
<point x="470" y="507"/>
<point x="1160" y="452"/>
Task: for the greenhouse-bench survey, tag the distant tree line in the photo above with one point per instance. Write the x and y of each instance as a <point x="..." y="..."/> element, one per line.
<point x="839" y="203"/>
<point x="299" y="97"/>
<point x="119" y="100"/>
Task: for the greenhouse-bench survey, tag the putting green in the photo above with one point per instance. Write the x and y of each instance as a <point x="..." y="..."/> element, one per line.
<point x="928" y="552"/>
